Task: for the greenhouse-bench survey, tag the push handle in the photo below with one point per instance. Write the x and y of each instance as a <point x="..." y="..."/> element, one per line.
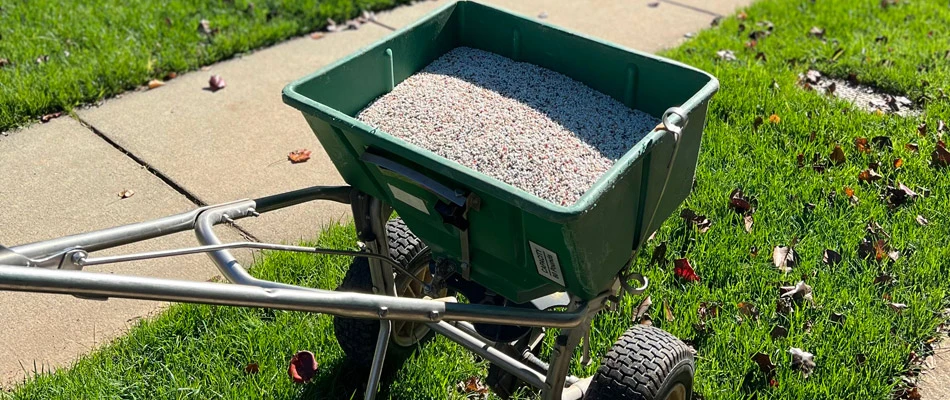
<point x="453" y="196"/>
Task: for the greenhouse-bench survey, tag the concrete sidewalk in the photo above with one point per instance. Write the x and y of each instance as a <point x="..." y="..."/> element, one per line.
<point x="64" y="177"/>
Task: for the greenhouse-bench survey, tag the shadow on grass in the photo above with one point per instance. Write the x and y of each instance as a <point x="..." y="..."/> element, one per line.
<point x="344" y="380"/>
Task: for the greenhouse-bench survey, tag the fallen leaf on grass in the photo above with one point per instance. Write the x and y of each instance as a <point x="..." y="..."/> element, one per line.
<point x="837" y="318"/>
<point x="869" y="175"/>
<point x="727" y="55"/>
<point x="784" y="258"/>
<point x="747" y="221"/>
<point x="683" y="270"/>
<point x="940" y="157"/>
<point x="879" y="249"/>
<point x="765" y="363"/>
<point x="922" y="221"/>
<point x="748" y="309"/>
<point x="51" y="116"/>
<point x="155" y="83"/>
<point x="4" y="62"/>
<point x="898" y="196"/>
<point x="774" y="118"/>
<point x="667" y="311"/>
<point x="659" y="255"/>
<point x="801" y="291"/>
<point x="912" y="147"/>
<point x="812" y="77"/>
<point x="642" y="309"/>
<point x="252" y="368"/>
<point x="862" y="145"/>
<point x="742" y="16"/>
<point x="303" y="367"/>
<point x="802" y="360"/>
<point x="816" y="32"/>
<point x="897" y="307"/>
<point x="778" y="332"/>
<point x="126" y="193"/>
<point x="42" y="59"/>
<point x="941" y="126"/>
<point x="299" y="156"/>
<point x="831" y="257"/>
<point x="216" y="83"/>
<point x="883" y="279"/>
<point x="922" y="129"/>
<point x="740" y="203"/>
<point x="707" y="310"/>
<point x="800" y="160"/>
<point x="898" y="163"/>
<point x="204" y="26"/>
<point x="700" y="221"/>
<point x="473" y="385"/>
<point x="837" y="155"/>
<point x="757" y="122"/>
<point x="882" y="142"/>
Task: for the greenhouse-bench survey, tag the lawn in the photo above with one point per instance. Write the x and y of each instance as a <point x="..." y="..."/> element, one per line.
<point x="861" y="336"/>
<point x="55" y="56"/>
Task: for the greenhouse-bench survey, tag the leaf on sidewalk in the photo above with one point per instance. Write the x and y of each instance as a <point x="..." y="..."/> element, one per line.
<point x="299" y="156"/>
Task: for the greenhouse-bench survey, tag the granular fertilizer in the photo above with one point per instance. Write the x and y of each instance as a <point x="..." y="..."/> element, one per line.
<point x="522" y="124"/>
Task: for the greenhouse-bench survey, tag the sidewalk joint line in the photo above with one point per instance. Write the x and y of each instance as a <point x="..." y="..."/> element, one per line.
<point x="694" y="8"/>
<point x="158" y="174"/>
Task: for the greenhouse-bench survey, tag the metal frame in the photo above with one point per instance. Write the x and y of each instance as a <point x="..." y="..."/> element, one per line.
<point x="54" y="266"/>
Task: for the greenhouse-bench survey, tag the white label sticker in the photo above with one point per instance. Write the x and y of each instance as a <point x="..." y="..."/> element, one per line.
<point x="547" y="263"/>
<point x="409" y="199"/>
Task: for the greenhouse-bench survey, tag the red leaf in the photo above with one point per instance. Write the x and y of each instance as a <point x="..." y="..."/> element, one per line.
<point x="252" y="368"/>
<point x="683" y="270"/>
<point x="299" y="156"/>
<point x="303" y="367"/>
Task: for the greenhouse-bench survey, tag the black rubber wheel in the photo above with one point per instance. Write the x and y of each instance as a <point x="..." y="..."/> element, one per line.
<point x="646" y="363"/>
<point x="357" y="337"/>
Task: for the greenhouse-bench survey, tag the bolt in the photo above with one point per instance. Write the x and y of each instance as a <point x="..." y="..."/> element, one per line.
<point x="383" y="310"/>
<point x="434" y="315"/>
<point x="79" y="258"/>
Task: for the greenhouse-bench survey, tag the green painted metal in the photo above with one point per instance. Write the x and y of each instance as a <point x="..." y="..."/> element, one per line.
<point x="588" y="242"/>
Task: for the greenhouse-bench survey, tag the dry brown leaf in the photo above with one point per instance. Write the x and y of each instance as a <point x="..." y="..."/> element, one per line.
<point x="667" y="311"/>
<point x="816" y="32"/>
<point x="742" y="16"/>
<point x="747" y="220"/>
<point x="784" y="258"/>
<point x="801" y="291"/>
<point x="726" y="55"/>
<point x="642" y="309"/>
<point x="51" y="116"/>
<point x="883" y="279"/>
<point x="757" y="122"/>
<point x="940" y="157"/>
<point x="126" y="193"/>
<point x="862" y="145"/>
<point x="922" y="129"/>
<point x="778" y="332"/>
<point x="659" y="255"/>
<point x="837" y="318"/>
<point x="700" y="221"/>
<point x="473" y="386"/>
<point x="299" y="156"/>
<point x="765" y="363"/>
<point x="831" y="257"/>
<point x="912" y="147"/>
<point x="252" y="368"/>
<point x="748" y="309"/>
<point x="774" y="118"/>
<point x="869" y="175"/>
<point x="316" y="35"/>
<point x="898" y="163"/>
<point x="897" y="307"/>
<point x="922" y="221"/>
<point x="802" y="360"/>
<point x="740" y="203"/>
<point x="155" y="83"/>
<point x="837" y="155"/>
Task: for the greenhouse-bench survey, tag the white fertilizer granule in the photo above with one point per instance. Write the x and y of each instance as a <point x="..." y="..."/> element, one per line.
<point x="525" y="125"/>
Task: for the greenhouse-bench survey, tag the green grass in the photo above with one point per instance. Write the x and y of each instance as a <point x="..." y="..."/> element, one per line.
<point x="200" y="351"/>
<point x="100" y="48"/>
